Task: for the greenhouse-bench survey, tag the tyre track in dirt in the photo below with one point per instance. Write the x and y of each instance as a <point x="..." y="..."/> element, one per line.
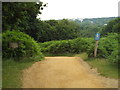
<point x="64" y="72"/>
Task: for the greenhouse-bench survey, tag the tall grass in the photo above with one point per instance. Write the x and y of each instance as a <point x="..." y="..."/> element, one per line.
<point x="104" y="67"/>
<point x="12" y="72"/>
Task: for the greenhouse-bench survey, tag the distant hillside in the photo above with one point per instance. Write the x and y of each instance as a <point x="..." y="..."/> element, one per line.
<point x="100" y="21"/>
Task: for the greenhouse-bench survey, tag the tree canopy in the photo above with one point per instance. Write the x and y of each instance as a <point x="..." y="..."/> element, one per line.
<point x="18" y="15"/>
<point x="22" y="17"/>
<point x="112" y="27"/>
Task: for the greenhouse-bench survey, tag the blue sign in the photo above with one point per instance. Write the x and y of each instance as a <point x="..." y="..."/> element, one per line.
<point x="97" y="36"/>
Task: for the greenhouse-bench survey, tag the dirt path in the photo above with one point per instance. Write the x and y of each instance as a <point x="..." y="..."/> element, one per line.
<point x="64" y="72"/>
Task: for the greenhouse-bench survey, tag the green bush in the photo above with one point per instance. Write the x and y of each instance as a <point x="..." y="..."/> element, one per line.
<point x="107" y="48"/>
<point x="83" y="45"/>
<point x="56" y="47"/>
<point x="27" y="47"/>
<point x="77" y="45"/>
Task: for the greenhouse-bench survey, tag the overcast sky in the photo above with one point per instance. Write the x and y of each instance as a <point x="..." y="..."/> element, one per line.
<point x="68" y="9"/>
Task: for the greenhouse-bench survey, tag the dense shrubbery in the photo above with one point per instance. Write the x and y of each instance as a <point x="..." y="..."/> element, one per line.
<point x="77" y="45"/>
<point x="112" y="27"/>
<point x="56" y="47"/>
<point x="27" y="47"/>
<point x="108" y="46"/>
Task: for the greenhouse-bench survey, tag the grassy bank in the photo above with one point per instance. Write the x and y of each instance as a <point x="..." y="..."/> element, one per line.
<point x="12" y="72"/>
<point x="104" y="67"/>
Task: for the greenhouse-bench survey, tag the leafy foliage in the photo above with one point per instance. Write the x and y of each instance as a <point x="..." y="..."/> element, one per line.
<point x="77" y="45"/>
<point x="17" y="14"/>
<point x="89" y="29"/>
<point x="108" y="47"/>
<point x="58" y="30"/>
<point x="22" y="17"/>
<point x="27" y="47"/>
<point x="112" y="27"/>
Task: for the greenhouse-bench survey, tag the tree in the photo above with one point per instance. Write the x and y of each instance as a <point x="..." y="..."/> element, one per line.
<point x="112" y="27"/>
<point x="19" y="15"/>
<point x="22" y="17"/>
<point x="89" y="29"/>
<point x="55" y="30"/>
<point x="63" y="29"/>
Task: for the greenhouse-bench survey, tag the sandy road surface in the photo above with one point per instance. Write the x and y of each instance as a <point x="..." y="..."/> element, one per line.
<point x="64" y="72"/>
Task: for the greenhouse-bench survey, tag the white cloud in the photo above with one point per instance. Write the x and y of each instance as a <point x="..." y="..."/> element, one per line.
<point x="59" y="9"/>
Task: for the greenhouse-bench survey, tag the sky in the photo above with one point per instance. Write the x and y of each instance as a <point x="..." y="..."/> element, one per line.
<point x="72" y="9"/>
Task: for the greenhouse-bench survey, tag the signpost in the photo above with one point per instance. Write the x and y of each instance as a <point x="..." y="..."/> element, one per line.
<point x="97" y="38"/>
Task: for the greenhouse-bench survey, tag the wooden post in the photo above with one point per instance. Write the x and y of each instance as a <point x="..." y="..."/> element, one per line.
<point x="95" y="50"/>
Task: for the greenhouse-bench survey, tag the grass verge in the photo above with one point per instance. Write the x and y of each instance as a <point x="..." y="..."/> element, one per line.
<point x="12" y="72"/>
<point x="84" y="56"/>
<point x="104" y="67"/>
